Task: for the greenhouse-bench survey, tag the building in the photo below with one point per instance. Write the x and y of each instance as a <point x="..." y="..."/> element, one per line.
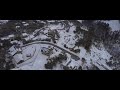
<point x="16" y="53"/>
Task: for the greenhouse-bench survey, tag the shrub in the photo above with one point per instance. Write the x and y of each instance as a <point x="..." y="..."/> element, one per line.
<point x="48" y="66"/>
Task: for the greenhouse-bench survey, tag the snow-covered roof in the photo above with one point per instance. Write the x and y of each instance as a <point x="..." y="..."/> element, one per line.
<point x="53" y="27"/>
<point x="43" y="37"/>
<point x="4" y="38"/>
<point x="10" y="36"/>
<point x="12" y="50"/>
<point x="80" y="21"/>
<point x="15" y="41"/>
<point x="23" y="22"/>
<point x="24" y="34"/>
<point x="74" y="63"/>
<point x="84" y="28"/>
<point x="26" y="24"/>
<point x="29" y="37"/>
<point x="17" y="26"/>
<point x="51" y="20"/>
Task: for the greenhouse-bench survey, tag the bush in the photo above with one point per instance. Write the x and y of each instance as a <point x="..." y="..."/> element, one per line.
<point x="66" y="68"/>
<point x="88" y="38"/>
<point x="18" y="38"/>
<point x="65" y="46"/>
<point x="48" y="66"/>
<point x="77" y="50"/>
<point x="9" y="65"/>
<point x="87" y="44"/>
<point x="80" y="68"/>
<point x="101" y="31"/>
<point x="79" y="42"/>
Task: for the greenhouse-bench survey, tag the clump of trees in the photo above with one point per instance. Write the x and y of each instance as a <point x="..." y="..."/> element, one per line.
<point x="54" y="35"/>
<point x="88" y="23"/>
<point x="101" y="31"/>
<point x="97" y="32"/>
<point x="2" y="58"/>
<point x="10" y="27"/>
<point x="79" y="30"/>
<point x="87" y="40"/>
<point x="3" y="51"/>
<point x="54" y="60"/>
<point x="7" y="29"/>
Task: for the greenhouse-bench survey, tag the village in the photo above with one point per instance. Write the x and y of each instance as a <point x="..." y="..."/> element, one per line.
<point x="58" y="45"/>
<point x="15" y="52"/>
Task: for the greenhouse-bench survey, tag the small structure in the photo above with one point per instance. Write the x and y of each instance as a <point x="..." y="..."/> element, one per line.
<point x="23" y="22"/>
<point x="71" y="65"/>
<point x="46" y="51"/>
<point x="28" y="55"/>
<point x="17" y="26"/>
<point x="26" y="24"/>
<point x="10" y="37"/>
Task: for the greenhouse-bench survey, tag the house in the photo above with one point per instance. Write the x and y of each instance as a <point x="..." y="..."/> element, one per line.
<point x="24" y="35"/>
<point x="16" y="53"/>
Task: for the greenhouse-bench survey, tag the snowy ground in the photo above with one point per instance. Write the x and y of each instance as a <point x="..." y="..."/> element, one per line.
<point x="3" y="21"/>
<point x="114" y="24"/>
<point x="36" y="62"/>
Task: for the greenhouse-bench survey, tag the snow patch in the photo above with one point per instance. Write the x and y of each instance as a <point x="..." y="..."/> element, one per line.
<point x="114" y="24"/>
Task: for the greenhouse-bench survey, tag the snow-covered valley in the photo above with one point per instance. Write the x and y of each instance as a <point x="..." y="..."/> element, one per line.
<point x="60" y="45"/>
